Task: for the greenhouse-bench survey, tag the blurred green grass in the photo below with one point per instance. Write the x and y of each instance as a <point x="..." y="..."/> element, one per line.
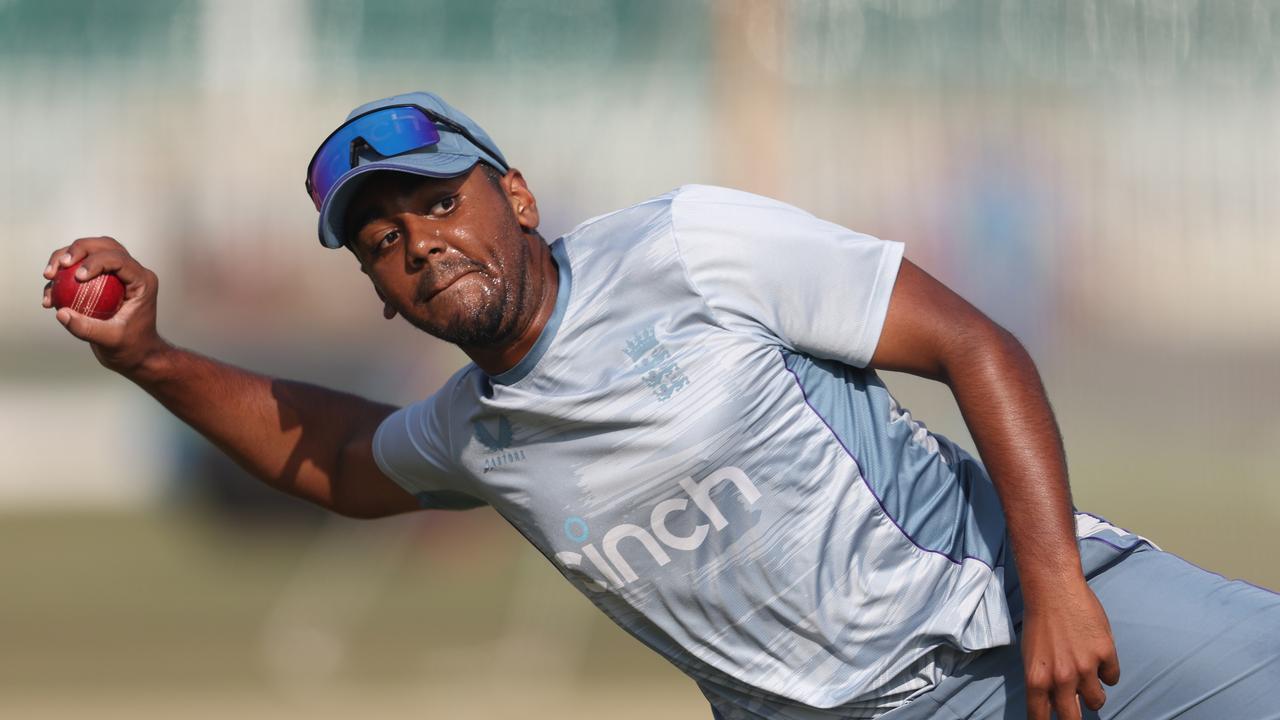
<point x="175" y="608"/>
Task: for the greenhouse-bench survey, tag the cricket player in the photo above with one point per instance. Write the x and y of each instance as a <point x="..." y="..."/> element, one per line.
<point x="677" y="404"/>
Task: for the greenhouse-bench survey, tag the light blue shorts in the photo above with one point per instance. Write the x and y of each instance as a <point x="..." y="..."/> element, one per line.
<point x="1192" y="645"/>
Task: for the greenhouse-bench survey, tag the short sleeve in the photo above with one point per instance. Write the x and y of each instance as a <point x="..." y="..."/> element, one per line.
<point x="412" y="447"/>
<point x="770" y="268"/>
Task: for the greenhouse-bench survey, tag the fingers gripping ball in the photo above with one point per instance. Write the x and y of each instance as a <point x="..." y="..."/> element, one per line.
<point x="97" y="298"/>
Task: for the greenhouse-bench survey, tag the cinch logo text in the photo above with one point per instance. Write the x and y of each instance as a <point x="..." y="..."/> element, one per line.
<point x="615" y="569"/>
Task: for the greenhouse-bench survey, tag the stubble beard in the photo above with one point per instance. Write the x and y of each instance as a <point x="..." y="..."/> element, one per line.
<point x="493" y="320"/>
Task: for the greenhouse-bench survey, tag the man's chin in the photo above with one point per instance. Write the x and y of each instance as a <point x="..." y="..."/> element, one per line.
<point x="477" y="331"/>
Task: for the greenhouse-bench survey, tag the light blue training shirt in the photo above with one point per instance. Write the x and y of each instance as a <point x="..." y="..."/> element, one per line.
<point x="695" y="443"/>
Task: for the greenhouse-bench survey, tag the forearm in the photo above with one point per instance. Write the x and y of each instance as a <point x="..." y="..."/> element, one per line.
<point x="291" y="435"/>
<point x="1066" y="641"/>
<point x="1004" y="405"/>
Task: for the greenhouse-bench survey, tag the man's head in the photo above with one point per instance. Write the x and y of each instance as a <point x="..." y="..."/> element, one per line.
<point x="446" y="231"/>
<point x="456" y="257"/>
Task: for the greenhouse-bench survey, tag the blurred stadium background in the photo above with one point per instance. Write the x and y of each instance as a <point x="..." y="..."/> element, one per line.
<point x="1101" y="176"/>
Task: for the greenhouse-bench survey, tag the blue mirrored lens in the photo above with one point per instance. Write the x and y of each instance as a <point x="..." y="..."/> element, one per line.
<point x="389" y="131"/>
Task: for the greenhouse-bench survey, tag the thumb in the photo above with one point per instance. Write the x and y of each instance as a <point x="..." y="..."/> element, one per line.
<point x="82" y="326"/>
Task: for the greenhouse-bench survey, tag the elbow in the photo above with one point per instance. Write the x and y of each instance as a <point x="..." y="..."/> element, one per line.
<point x="981" y="332"/>
<point x="981" y="348"/>
<point x="1003" y="345"/>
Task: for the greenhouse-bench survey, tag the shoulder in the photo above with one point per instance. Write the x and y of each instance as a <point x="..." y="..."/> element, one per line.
<point x="610" y="221"/>
<point x="710" y="213"/>
<point x="415" y="445"/>
<point x="693" y="198"/>
<point x="711" y="199"/>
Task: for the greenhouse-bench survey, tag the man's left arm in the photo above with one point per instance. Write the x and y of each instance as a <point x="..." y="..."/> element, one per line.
<point x="1066" y="640"/>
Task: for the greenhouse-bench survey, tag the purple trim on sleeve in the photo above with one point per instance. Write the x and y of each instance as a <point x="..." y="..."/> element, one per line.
<point x="1121" y="548"/>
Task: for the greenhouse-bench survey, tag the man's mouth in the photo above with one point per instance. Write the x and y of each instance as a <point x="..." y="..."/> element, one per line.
<point x="435" y="288"/>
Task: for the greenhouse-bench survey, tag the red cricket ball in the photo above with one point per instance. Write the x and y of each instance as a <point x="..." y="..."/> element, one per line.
<point x="97" y="298"/>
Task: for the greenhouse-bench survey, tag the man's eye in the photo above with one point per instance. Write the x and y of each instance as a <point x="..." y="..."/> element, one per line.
<point x="386" y="240"/>
<point x="445" y="206"/>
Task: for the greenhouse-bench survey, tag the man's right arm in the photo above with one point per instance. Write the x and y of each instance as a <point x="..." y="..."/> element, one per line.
<point x="305" y="440"/>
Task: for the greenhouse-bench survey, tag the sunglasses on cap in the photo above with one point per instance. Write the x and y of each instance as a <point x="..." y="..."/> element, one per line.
<point x="389" y="131"/>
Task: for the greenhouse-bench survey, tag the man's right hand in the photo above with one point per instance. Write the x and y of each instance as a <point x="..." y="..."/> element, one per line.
<point x="126" y="340"/>
<point x="305" y="440"/>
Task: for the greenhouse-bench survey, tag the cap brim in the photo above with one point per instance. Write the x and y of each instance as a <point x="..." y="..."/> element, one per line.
<point x="427" y="164"/>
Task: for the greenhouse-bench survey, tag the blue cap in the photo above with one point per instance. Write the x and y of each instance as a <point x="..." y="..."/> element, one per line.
<point x="452" y="156"/>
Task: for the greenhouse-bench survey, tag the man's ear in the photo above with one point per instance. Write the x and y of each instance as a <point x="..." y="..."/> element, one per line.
<point x="388" y="312"/>
<point x="523" y="203"/>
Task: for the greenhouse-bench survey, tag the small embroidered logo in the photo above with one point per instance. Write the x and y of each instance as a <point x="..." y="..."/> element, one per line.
<point x="498" y="444"/>
<point x="501" y="441"/>
<point x="641" y="343"/>
<point x="660" y="372"/>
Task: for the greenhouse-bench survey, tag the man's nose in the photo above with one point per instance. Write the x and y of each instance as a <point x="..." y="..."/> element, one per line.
<point x="423" y="242"/>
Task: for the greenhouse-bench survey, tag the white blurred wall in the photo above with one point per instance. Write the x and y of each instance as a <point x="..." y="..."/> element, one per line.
<point x="1099" y="176"/>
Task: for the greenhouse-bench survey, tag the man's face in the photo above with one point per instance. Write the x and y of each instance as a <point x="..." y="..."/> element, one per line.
<point x="453" y="256"/>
